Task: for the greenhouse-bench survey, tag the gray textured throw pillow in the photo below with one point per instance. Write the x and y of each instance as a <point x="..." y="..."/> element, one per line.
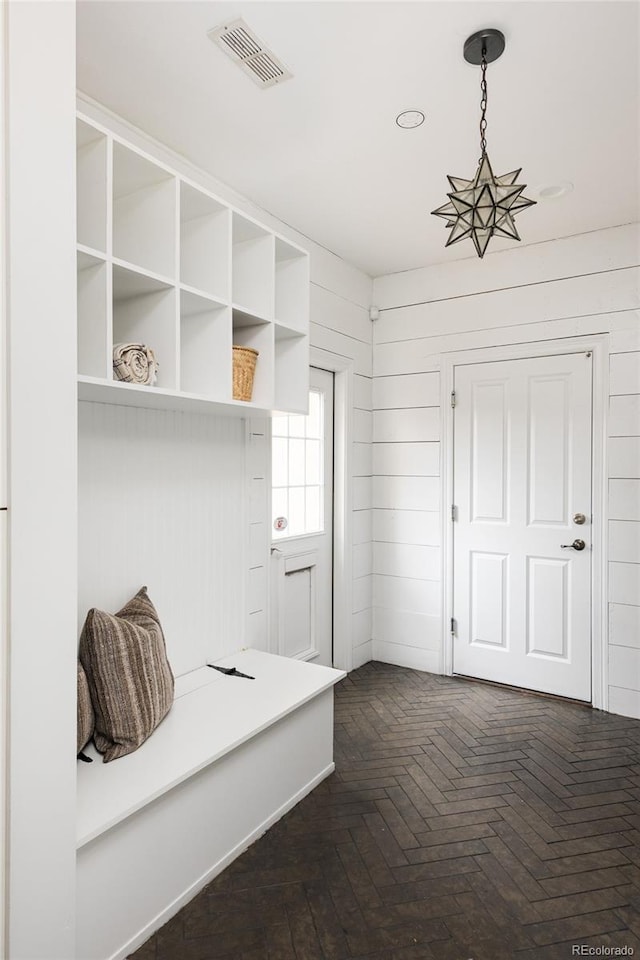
<point x="130" y="680"/>
<point x="85" y="711"/>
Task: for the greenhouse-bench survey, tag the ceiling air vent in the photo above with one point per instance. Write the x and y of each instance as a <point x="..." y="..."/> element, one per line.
<point x="241" y="44"/>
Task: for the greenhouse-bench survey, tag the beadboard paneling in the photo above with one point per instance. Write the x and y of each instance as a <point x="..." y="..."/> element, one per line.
<point x="161" y="504"/>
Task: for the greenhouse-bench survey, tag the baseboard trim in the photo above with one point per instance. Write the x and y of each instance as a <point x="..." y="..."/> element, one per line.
<point x="160" y="919"/>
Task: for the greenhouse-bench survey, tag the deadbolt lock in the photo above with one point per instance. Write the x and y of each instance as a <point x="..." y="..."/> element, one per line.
<point x="579" y="518"/>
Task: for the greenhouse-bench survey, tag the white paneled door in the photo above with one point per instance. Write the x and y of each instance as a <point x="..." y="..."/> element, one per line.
<point x="302" y="527"/>
<point x="522" y="550"/>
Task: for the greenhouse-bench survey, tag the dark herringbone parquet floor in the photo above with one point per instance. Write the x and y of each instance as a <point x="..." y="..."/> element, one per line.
<point x="463" y="821"/>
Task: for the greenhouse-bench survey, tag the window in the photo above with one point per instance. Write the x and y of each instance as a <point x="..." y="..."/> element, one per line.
<point x="297" y="457"/>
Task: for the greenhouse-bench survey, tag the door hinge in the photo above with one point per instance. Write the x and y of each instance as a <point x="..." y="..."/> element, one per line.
<point x="454" y="627"/>
<point x="453" y="398"/>
<point x="453" y="511"/>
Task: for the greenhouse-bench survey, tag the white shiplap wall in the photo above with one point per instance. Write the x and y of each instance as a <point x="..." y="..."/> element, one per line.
<point x="581" y="285"/>
<point x="340" y="325"/>
<point x="624" y="531"/>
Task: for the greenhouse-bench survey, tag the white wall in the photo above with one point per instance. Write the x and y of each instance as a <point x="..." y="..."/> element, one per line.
<point x="340" y="325"/>
<point x="4" y="611"/>
<point x="160" y="502"/>
<point x="40" y="63"/>
<point x="581" y="285"/>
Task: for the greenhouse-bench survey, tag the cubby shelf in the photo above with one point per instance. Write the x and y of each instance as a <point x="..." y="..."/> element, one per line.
<point x="99" y="390"/>
<point x="164" y="262"/>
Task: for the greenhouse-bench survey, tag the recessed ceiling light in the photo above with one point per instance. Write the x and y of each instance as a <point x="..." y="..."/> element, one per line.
<point x="410" y="118"/>
<point x="552" y="191"/>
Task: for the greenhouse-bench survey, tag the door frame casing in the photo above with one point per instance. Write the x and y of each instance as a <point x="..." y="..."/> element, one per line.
<point x="342" y="370"/>
<point x="598" y="345"/>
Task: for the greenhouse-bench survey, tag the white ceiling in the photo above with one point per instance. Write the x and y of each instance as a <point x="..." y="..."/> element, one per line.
<point x="322" y="150"/>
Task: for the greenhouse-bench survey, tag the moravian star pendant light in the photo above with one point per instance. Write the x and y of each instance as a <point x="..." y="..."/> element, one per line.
<point x="486" y="206"/>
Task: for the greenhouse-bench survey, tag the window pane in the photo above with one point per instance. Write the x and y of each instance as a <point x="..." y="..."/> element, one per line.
<point x="313" y="523"/>
<point x="296" y="426"/>
<point x="314" y="474"/>
<point x="279" y="462"/>
<point x="297" y="474"/>
<point x="296" y="463"/>
<point x="314" y="420"/>
<point x="296" y="511"/>
<point x="280" y="426"/>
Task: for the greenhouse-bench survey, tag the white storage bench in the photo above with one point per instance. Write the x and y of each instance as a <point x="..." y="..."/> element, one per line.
<point x="231" y="757"/>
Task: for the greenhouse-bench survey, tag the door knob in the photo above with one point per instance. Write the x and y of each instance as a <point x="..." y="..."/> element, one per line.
<point x="576" y="545"/>
<point x="579" y="518"/>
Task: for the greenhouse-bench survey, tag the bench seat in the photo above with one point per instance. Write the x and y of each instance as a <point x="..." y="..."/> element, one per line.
<point x="230" y="758"/>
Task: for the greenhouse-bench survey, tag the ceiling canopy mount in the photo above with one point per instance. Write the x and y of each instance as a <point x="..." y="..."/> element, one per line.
<point x="489" y="42"/>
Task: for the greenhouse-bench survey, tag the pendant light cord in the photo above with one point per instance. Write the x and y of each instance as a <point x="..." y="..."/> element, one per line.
<point x="483" y="107"/>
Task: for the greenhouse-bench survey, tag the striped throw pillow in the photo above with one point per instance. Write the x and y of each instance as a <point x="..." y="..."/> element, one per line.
<point x="86" y="718"/>
<point x="130" y="680"/>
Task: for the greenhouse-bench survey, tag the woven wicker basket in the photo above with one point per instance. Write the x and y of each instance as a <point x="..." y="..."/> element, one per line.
<point x="244" y="368"/>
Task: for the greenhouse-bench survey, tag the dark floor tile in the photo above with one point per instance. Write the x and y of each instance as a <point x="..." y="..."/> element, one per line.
<point x="463" y="821"/>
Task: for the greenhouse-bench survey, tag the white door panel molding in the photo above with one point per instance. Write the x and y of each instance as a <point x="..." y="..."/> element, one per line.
<point x="527" y="448"/>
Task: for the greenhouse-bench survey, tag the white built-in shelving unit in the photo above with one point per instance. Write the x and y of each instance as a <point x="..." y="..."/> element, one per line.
<point x="163" y="261"/>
